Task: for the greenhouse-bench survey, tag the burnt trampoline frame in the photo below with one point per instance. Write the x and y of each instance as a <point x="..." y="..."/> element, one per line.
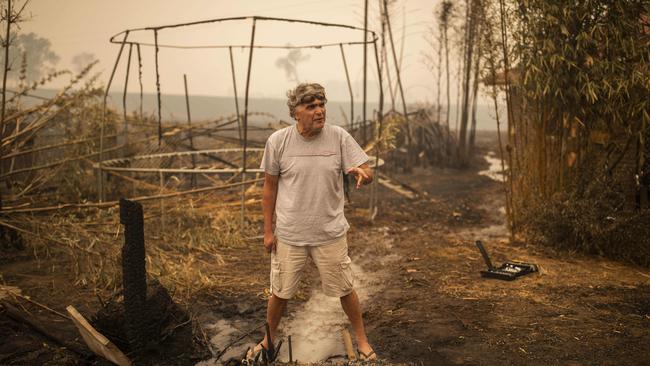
<point x="242" y="119"/>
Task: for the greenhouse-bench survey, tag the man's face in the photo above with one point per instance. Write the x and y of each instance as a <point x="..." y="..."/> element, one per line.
<point x="311" y="116"/>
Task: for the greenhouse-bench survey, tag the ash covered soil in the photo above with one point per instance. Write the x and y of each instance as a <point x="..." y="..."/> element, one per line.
<point x="417" y="272"/>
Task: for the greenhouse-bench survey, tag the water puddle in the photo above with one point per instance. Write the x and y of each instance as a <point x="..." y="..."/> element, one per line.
<point x="223" y="332"/>
<point x="315" y="327"/>
<point x="488" y="233"/>
<point x="494" y="170"/>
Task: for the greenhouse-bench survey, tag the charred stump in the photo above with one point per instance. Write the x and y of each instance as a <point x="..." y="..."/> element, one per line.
<point x="147" y="325"/>
<point x="134" y="274"/>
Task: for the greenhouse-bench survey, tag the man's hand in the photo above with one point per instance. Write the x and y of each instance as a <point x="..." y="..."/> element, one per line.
<point x="270" y="242"/>
<point x="362" y="174"/>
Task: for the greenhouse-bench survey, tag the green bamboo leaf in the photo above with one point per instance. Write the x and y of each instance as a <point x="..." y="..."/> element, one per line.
<point x="564" y="29"/>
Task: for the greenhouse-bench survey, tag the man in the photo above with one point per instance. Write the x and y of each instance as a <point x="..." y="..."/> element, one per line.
<point x="303" y="186"/>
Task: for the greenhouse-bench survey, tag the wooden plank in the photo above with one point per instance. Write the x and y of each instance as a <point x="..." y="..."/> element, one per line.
<point x="96" y="341"/>
<point x="397" y="188"/>
<point x="347" y="341"/>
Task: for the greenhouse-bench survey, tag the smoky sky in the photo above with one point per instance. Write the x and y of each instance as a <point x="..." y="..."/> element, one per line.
<point x="79" y="31"/>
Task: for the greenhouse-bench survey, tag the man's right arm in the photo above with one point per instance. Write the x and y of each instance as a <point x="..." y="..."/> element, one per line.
<point x="269" y="196"/>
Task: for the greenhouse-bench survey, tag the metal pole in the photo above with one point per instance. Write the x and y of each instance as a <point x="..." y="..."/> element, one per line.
<point x="347" y="77"/>
<point x="100" y="180"/>
<point x="140" y="79"/>
<point x="155" y="36"/>
<point x="126" y="85"/>
<point x="234" y="87"/>
<point x="189" y="123"/>
<point x="245" y="142"/>
<point x="365" y="67"/>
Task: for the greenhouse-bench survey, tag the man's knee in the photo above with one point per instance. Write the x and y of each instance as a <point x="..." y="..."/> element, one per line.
<point x="279" y="300"/>
<point x="349" y="296"/>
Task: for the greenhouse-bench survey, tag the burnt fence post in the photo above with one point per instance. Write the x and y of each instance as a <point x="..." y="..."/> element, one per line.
<point x="134" y="276"/>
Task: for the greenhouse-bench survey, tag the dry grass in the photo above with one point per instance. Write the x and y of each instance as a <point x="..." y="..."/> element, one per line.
<point x="185" y="240"/>
<point x="49" y="150"/>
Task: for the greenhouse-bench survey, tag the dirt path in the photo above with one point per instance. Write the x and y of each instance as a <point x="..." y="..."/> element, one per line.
<point x="435" y="309"/>
<point x="315" y="323"/>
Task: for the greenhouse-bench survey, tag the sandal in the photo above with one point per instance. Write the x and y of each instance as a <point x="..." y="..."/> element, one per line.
<point x="370" y="356"/>
<point x="252" y="356"/>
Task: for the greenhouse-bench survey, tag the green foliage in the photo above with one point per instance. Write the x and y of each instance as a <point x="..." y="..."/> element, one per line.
<point x="583" y="71"/>
<point x="587" y="62"/>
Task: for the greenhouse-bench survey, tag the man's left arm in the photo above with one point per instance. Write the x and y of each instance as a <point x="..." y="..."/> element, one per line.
<point x="363" y="174"/>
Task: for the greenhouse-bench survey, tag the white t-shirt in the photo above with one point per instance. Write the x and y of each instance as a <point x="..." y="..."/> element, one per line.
<point x="310" y="201"/>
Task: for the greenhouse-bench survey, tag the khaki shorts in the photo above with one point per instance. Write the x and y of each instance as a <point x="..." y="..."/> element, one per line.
<point x="331" y="260"/>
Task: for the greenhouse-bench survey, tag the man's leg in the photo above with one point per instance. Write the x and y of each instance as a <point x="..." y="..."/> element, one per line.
<point x="274" y="313"/>
<point x="284" y="283"/>
<point x="336" y="276"/>
<point x="352" y="308"/>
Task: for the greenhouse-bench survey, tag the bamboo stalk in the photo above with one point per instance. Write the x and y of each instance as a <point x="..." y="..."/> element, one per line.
<point x="137" y="199"/>
<point x="234" y="87"/>
<point x="62" y="144"/>
<point x="100" y="180"/>
<point x="56" y="163"/>
<point x="380" y="121"/>
<point x="138" y="182"/>
<point x="189" y="125"/>
<point x="4" y="77"/>
<point x="155" y="35"/>
<point x="384" y="56"/>
<point x="479" y="55"/>
<point x="347" y="78"/>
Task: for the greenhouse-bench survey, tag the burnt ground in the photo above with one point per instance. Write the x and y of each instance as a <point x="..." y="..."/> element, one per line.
<point x="433" y="308"/>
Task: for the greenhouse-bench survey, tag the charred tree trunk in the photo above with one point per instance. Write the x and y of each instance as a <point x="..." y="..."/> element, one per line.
<point x="134" y="276"/>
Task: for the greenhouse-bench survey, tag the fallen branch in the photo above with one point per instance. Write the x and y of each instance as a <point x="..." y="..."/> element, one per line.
<point x="16" y="315"/>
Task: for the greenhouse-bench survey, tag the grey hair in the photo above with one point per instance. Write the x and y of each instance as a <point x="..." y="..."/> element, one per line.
<point x="304" y="93"/>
